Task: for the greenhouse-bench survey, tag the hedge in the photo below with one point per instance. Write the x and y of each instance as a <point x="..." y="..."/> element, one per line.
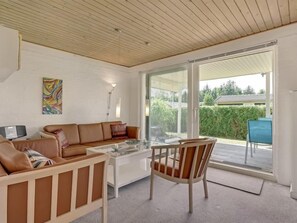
<point x="228" y="121"/>
<point x="217" y="121"/>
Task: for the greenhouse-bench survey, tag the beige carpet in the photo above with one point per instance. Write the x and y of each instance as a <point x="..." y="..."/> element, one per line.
<point x="170" y="205"/>
<point x="236" y="181"/>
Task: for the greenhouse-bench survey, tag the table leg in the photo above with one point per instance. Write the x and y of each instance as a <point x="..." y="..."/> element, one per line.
<point x="115" y="180"/>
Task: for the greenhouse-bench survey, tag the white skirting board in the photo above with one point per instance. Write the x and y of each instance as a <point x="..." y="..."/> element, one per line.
<point x="293" y="193"/>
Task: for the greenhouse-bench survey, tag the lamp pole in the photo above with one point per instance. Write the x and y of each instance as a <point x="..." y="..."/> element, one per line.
<point x="109" y="101"/>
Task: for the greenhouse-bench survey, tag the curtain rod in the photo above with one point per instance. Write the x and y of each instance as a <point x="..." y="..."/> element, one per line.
<point x="272" y="43"/>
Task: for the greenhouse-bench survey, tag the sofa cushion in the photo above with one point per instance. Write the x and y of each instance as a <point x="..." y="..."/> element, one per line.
<point x="63" y="142"/>
<point x="90" y="132"/>
<point x="105" y="142"/>
<point x="12" y="159"/>
<point x="74" y="150"/>
<point x="107" y="130"/>
<point x="37" y="159"/>
<point x="70" y="131"/>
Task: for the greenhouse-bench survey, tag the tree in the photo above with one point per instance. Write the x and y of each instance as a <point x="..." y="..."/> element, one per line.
<point x="215" y="93"/>
<point x="249" y="90"/>
<point x="185" y="96"/>
<point x="229" y="88"/>
<point x="208" y="100"/>
<point x="203" y="92"/>
<point x="261" y="91"/>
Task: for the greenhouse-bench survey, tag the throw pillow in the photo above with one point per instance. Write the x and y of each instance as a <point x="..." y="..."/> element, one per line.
<point x="37" y="159"/>
<point x="119" y="130"/>
<point x="63" y="142"/>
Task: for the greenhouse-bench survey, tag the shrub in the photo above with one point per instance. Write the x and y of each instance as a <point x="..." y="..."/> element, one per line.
<point x="218" y="121"/>
<point x="162" y="115"/>
<point x="228" y="121"/>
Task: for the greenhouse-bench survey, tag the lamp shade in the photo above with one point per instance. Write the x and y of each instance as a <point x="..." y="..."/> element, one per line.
<point x="118" y="109"/>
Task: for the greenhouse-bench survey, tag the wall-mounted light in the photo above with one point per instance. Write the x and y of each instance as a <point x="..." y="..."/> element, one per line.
<point x="147" y="107"/>
<point x="109" y="100"/>
<point x="118" y="109"/>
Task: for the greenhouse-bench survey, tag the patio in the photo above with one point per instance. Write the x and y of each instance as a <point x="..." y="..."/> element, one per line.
<point x="234" y="154"/>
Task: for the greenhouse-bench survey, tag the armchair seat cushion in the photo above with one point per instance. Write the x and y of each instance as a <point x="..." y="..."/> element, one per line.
<point x="58" y="159"/>
<point x="169" y="166"/>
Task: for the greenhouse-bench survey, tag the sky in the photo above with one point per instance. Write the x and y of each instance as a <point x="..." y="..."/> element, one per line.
<point x="256" y="81"/>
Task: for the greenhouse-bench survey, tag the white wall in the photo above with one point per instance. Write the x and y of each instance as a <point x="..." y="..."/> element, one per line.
<point x="286" y="79"/>
<point x="86" y="83"/>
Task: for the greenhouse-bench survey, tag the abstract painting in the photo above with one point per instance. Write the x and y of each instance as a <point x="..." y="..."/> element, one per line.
<point x="52" y="96"/>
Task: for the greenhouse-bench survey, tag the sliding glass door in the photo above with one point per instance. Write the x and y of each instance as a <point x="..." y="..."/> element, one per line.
<point x="215" y="98"/>
<point x="233" y="91"/>
<point x="167" y="95"/>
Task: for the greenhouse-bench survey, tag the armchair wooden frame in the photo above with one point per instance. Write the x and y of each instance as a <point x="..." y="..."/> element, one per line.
<point x="184" y="163"/>
<point x="55" y="171"/>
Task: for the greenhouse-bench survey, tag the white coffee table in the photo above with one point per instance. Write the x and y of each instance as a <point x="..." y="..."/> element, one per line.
<point x="126" y="166"/>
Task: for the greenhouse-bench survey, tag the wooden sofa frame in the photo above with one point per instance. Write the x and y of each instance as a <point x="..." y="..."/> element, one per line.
<point x="31" y="176"/>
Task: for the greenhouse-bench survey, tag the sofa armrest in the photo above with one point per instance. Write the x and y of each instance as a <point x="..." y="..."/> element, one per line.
<point x="46" y="146"/>
<point x="49" y="135"/>
<point x="133" y="132"/>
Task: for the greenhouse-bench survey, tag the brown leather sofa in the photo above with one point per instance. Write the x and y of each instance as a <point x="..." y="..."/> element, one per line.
<point x="82" y="136"/>
<point x="60" y="192"/>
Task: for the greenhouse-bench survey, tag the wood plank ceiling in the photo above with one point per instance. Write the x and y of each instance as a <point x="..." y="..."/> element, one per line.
<point x="148" y="30"/>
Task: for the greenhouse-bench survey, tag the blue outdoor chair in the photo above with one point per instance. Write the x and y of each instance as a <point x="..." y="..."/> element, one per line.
<point x="259" y="131"/>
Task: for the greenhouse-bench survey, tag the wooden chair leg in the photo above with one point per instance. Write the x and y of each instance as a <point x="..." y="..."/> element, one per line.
<point x="104" y="214"/>
<point x="190" y="197"/>
<point x="205" y="186"/>
<point x="152" y="185"/>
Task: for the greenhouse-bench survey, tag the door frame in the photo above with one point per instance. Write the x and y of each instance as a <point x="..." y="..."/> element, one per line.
<point x="268" y="176"/>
